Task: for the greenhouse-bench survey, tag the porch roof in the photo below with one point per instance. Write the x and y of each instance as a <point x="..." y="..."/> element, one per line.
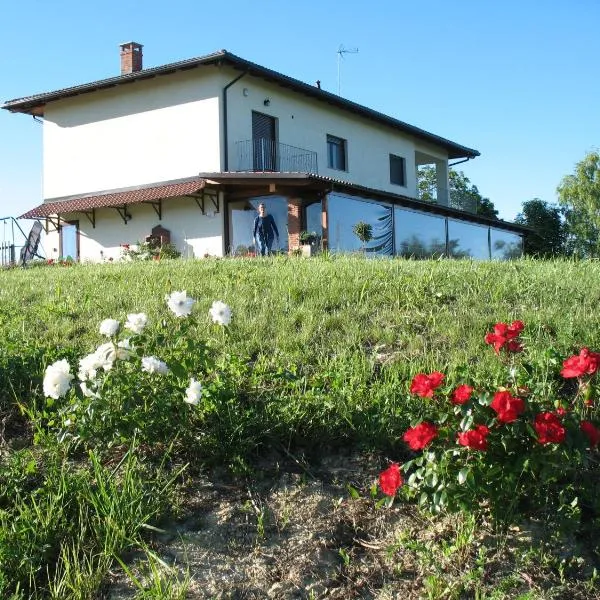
<point x="117" y="198"/>
<point x="265" y="183"/>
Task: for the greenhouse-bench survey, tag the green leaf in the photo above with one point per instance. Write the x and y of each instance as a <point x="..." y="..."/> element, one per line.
<point x="353" y="492"/>
<point x="463" y="474"/>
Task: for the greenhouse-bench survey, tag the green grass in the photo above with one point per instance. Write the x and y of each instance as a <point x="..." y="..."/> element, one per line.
<point x="331" y="342"/>
<point x="320" y="353"/>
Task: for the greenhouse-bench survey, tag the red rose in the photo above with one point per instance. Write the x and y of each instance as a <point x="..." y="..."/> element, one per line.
<point x="474" y="438"/>
<point x="549" y="428"/>
<point x="591" y="431"/>
<point x="461" y="394"/>
<point x="424" y="385"/>
<point x="390" y="479"/>
<point x="504" y="336"/>
<point x="514" y="329"/>
<point x="419" y="436"/>
<point x="584" y="363"/>
<point x="507" y="407"/>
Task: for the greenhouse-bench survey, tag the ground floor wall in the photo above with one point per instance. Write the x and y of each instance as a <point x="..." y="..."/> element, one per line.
<point x="196" y="233"/>
<point x="193" y="233"/>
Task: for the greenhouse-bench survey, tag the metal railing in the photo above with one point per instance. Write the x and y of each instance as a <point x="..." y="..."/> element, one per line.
<point x="448" y="197"/>
<point x="7" y="254"/>
<point x="262" y="154"/>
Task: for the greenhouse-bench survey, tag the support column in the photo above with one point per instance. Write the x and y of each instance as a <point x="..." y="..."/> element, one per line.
<point x="324" y="224"/>
<point x="443" y="183"/>
<point x="294" y="222"/>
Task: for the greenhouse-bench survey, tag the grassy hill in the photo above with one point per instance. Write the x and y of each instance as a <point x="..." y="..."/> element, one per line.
<point x="317" y="361"/>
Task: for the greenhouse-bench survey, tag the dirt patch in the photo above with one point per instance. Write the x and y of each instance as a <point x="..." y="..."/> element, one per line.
<point x="297" y="532"/>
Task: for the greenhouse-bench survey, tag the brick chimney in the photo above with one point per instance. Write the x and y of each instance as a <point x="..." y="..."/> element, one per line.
<point x="131" y="57"/>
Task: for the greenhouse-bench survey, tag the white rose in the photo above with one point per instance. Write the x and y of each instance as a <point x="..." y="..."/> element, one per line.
<point x="180" y="304"/>
<point x="220" y="313"/>
<point x="193" y="392"/>
<point x="151" y="364"/>
<point x="57" y="379"/>
<point x="109" y="327"/>
<point x="136" y="322"/>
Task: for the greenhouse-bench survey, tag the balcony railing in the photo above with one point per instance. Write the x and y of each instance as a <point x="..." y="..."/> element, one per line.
<point x="262" y="154"/>
<point x="452" y="198"/>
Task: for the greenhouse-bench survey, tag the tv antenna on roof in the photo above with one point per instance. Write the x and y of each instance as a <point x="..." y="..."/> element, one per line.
<point x="340" y="54"/>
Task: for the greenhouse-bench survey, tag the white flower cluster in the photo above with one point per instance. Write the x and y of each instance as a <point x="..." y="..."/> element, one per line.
<point x="58" y="377"/>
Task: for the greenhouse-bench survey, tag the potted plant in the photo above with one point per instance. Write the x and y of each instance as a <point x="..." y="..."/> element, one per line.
<point x="364" y="232"/>
<point x="308" y="242"/>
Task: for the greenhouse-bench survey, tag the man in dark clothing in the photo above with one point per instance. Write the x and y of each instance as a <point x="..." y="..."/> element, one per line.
<point x="265" y="231"/>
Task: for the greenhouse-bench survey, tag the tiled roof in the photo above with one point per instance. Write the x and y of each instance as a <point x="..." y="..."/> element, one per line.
<point x="116" y="198"/>
<point x="35" y="104"/>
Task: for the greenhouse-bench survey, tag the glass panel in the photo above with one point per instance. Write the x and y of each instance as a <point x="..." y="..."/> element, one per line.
<point x="314" y="221"/>
<point x="241" y="223"/>
<point x="419" y="235"/>
<point x="343" y="212"/>
<point x="466" y="240"/>
<point x="506" y="245"/>
<point x="68" y="241"/>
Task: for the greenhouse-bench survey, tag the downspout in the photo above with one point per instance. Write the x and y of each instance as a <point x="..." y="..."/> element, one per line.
<point x="225" y="141"/>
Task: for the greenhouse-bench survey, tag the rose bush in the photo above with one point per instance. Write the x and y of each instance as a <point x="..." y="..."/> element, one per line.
<point x="519" y="447"/>
<point x="155" y="383"/>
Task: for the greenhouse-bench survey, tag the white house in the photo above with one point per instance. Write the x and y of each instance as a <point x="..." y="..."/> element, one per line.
<point x="192" y="147"/>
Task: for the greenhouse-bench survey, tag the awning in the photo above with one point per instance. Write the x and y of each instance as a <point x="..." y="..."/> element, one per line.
<point x="116" y="198"/>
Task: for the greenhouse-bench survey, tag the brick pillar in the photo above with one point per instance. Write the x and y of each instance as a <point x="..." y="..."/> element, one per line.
<point x="294" y="222"/>
<point x="131" y="57"/>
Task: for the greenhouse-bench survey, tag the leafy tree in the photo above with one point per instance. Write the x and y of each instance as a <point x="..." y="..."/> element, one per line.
<point x="548" y="237"/>
<point x="463" y="194"/>
<point x="579" y="195"/>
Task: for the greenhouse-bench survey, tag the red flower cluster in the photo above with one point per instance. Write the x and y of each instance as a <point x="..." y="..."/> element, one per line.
<point x="462" y="394"/>
<point x="505" y="336"/>
<point x="507" y="407"/>
<point x="584" y="363"/>
<point x="549" y="428"/>
<point x="390" y="479"/>
<point x="475" y="438"/>
<point x="591" y="431"/>
<point x="424" y="385"/>
<point x="419" y="436"/>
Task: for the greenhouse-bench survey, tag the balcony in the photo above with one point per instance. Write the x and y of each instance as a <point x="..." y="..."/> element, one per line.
<point x="267" y="155"/>
<point x="461" y="200"/>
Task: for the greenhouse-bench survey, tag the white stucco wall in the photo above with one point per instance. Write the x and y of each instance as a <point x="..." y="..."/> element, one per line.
<point x="152" y="130"/>
<point x="193" y="233"/>
<point x="305" y="123"/>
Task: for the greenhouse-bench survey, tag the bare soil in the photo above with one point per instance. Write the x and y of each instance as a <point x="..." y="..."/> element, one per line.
<point x="296" y="531"/>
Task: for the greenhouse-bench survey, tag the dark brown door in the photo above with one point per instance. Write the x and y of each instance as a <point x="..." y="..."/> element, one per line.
<point x="264" y="143"/>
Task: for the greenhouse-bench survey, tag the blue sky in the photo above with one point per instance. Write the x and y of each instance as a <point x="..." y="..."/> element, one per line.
<point x="516" y="80"/>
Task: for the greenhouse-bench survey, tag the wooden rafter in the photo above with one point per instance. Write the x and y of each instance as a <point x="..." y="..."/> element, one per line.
<point x="91" y="216"/>
<point x="123" y="213"/>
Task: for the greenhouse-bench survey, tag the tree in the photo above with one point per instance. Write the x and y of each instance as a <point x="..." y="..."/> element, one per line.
<point x="463" y="194"/>
<point x="579" y="195"/>
<point x="549" y="233"/>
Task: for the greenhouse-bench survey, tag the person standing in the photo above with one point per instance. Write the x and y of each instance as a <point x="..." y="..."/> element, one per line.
<point x="265" y="231"/>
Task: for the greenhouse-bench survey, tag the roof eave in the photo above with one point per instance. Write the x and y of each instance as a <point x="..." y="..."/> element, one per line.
<point x="35" y="104"/>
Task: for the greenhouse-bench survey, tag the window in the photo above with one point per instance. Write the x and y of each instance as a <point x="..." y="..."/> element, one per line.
<point x="336" y="153"/>
<point x="397" y="170"/>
